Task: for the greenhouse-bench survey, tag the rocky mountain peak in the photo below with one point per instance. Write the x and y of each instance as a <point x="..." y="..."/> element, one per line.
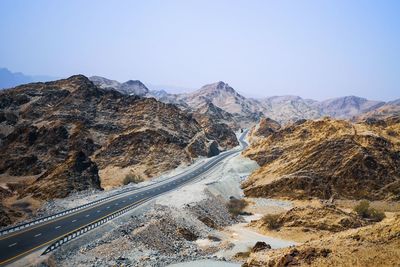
<point x="218" y="86"/>
<point x="134" y="87"/>
<point x="134" y="82"/>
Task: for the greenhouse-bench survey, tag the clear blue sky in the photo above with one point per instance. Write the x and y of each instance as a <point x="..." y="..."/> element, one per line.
<point x="315" y="49"/>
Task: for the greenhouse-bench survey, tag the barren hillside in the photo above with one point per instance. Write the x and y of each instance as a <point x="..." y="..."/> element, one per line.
<point x="69" y="135"/>
<point x="328" y="158"/>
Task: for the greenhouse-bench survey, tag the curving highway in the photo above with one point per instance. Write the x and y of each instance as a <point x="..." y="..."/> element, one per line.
<point x="21" y="243"/>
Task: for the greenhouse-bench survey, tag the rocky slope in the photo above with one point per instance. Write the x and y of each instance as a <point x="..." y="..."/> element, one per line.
<point x="328" y="158"/>
<point x="348" y="106"/>
<point x="286" y="109"/>
<point x="236" y="110"/>
<point x="375" y="245"/>
<point x="263" y="129"/>
<point x="321" y="218"/>
<point x="131" y="87"/>
<point x="70" y="135"/>
<point x="389" y="109"/>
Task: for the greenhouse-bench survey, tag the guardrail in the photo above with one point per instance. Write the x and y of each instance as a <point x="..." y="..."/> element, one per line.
<point x="84" y="229"/>
<point x="62" y="213"/>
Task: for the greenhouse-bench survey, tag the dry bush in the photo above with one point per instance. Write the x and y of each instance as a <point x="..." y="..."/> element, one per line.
<point x="236" y="206"/>
<point x="365" y="211"/>
<point x="272" y="221"/>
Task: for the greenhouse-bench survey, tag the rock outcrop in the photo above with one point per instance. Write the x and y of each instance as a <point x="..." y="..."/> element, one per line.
<point x="323" y="218"/>
<point x="328" y="158"/>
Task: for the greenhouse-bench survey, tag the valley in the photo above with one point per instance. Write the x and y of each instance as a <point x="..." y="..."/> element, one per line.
<point x="189" y="183"/>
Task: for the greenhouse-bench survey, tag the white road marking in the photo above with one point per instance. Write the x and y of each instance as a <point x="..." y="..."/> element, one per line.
<point x="108" y="207"/>
<point x="13" y="244"/>
<point x="87" y="215"/>
<point x="74" y="221"/>
<point x="60" y="226"/>
<point x="98" y="211"/>
<point x="38" y="235"/>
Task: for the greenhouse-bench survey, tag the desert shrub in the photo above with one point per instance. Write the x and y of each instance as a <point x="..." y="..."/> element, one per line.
<point x="235" y="206"/>
<point x="271" y="221"/>
<point x="132" y="178"/>
<point x="364" y="210"/>
<point x="243" y="254"/>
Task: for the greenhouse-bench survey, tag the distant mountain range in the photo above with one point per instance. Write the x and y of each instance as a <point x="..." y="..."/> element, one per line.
<point x="10" y="79"/>
<point x="219" y="99"/>
<point x="245" y="111"/>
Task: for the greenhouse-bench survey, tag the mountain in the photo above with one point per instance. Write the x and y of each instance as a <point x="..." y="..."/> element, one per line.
<point x="10" y="79"/>
<point x="134" y="87"/>
<point x="245" y="112"/>
<point x="327" y="158"/>
<point x="105" y="83"/>
<point x="288" y="108"/>
<point x="221" y="95"/>
<point x="70" y="135"/>
<point x="348" y="106"/>
<point x="131" y="87"/>
<point x="387" y="110"/>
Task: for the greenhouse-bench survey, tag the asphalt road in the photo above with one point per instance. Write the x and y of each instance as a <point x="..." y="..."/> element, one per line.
<point x="18" y="244"/>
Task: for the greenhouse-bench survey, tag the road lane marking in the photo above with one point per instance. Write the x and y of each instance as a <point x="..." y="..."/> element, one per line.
<point x="63" y="217"/>
<point x="58" y="227"/>
<point x="56" y="238"/>
<point x="87" y="215"/>
<point x="98" y="210"/>
<point x="48" y="222"/>
<point x="38" y="235"/>
<point x="108" y="207"/>
<point x="73" y="220"/>
<point x="13" y="244"/>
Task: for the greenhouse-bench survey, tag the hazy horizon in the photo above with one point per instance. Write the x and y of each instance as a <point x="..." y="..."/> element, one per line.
<point x="311" y="49"/>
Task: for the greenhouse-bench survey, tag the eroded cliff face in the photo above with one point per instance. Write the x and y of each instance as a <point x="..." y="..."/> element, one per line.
<point x="328" y="158"/>
<point x="65" y="136"/>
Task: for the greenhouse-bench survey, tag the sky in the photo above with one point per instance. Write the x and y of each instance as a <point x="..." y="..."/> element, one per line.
<point x="314" y="49"/>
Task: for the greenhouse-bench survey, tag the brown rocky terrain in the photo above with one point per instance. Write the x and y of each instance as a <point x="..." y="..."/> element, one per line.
<point x="69" y="135"/>
<point x="374" y="245"/>
<point x="263" y="129"/>
<point x="320" y="218"/>
<point x="328" y="158"/>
